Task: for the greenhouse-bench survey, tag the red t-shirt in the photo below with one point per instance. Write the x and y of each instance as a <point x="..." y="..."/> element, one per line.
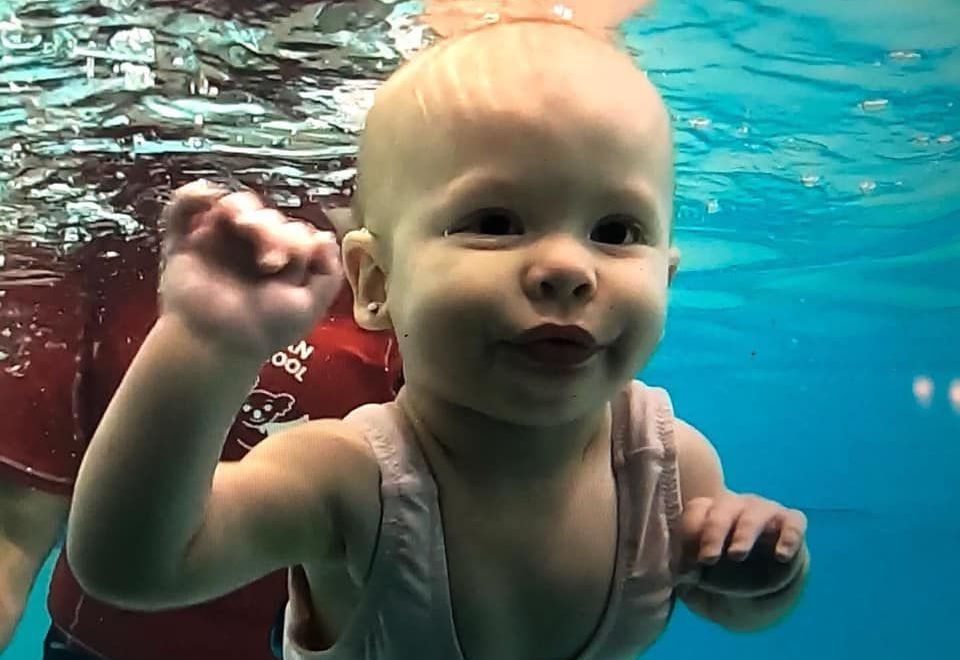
<point x="67" y="334"/>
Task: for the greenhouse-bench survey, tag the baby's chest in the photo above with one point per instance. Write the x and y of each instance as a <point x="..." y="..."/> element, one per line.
<point x="526" y="585"/>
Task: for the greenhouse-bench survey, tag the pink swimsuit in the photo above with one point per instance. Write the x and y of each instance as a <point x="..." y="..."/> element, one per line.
<point x="405" y="611"/>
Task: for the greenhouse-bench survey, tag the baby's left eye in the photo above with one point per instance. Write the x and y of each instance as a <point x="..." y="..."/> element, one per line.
<point x="619" y="230"/>
<point x="489" y="222"/>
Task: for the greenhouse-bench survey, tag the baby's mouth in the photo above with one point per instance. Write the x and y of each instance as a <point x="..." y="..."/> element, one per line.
<point x="557" y="345"/>
<point x="558" y="352"/>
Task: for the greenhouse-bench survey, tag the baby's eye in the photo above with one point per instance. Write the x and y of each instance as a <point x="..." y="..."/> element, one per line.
<point x="619" y="230"/>
<point x="489" y="222"/>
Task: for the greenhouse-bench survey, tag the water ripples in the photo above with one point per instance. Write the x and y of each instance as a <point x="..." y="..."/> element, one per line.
<point x="814" y="143"/>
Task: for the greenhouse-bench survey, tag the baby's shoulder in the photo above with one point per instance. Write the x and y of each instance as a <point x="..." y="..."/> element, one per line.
<point x="339" y="450"/>
<point x="340" y="441"/>
<point x="332" y="463"/>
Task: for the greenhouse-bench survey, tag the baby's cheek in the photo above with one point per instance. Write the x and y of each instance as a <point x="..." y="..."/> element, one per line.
<point x="647" y="321"/>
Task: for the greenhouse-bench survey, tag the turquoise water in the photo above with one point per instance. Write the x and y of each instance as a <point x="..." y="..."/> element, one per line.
<point x="818" y="213"/>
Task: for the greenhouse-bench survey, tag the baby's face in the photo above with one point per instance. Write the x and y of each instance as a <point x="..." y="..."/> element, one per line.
<point x="531" y="195"/>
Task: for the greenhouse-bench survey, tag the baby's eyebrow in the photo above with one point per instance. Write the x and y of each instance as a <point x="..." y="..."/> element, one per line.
<point x="638" y="196"/>
<point x="474" y="182"/>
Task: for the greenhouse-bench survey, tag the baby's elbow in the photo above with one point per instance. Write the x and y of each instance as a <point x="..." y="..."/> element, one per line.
<point x="746" y="623"/>
<point x="108" y="577"/>
<point x="94" y="581"/>
<point x="121" y="594"/>
<point x="86" y="563"/>
<point x="738" y="615"/>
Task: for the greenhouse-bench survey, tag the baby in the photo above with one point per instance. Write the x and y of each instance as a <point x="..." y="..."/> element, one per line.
<point x="523" y="497"/>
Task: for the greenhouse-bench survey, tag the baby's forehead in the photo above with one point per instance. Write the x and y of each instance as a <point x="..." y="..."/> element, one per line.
<point x="504" y="65"/>
<point x="530" y="72"/>
<point x="527" y="80"/>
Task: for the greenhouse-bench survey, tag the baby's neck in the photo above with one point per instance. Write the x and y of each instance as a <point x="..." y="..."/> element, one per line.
<point x="491" y="454"/>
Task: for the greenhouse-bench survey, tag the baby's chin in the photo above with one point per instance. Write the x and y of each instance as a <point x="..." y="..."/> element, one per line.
<point x="535" y="403"/>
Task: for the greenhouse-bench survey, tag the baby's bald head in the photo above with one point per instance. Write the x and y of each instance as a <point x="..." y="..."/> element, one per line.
<point x="526" y="75"/>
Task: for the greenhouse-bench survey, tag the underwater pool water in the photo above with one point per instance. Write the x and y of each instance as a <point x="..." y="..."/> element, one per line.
<point x="813" y="329"/>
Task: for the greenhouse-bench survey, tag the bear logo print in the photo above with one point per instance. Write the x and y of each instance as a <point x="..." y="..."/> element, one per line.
<point x="262" y="408"/>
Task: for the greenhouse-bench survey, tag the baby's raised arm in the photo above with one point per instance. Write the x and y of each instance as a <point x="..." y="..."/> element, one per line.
<point x="156" y="521"/>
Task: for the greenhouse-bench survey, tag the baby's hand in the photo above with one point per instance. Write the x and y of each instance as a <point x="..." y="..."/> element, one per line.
<point x="241" y="275"/>
<point x="745" y="545"/>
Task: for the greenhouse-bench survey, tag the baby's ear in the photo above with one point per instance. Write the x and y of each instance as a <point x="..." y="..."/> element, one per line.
<point x="342" y="219"/>
<point x="674" y="261"/>
<point x="367" y="279"/>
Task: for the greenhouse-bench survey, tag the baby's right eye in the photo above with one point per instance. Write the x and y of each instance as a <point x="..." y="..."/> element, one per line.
<point x="488" y="222"/>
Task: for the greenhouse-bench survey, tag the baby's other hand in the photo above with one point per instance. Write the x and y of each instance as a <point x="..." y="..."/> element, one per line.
<point x="241" y="275"/>
<point x="744" y="545"/>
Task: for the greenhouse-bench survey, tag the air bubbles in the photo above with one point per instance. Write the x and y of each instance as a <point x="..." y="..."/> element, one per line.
<point x="13" y="38"/>
<point x="874" y="105"/>
<point x="285" y="199"/>
<point x="924" y="139"/>
<point x="923" y="390"/>
<point x="117" y="5"/>
<point x="202" y="87"/>
<point x="135" y="44"/>
<point x="904" y="55"/>
<point x="17" y="370"/>
<point x="810" y="180"/>
<point x="867" y="186"/>
<point x="136" y="77"/>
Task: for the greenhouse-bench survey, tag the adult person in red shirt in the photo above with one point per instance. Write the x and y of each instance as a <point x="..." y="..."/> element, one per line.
<point x="69" y="327"/>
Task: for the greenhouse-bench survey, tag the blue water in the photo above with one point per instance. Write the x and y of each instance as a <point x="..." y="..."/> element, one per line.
<point x="819" y="216"/>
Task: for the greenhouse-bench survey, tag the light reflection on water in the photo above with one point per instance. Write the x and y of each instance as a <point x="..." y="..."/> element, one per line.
<point x="105" y="107"/>
<point x="107" y="103"/>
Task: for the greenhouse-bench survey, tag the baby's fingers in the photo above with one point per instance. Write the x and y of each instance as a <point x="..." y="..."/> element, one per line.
<point x="759" y="516"/>
<point x="250" y="241"/>
<point x="708" y="522"/>
<point x="792" y="533"/>
<point x="186" y="206"/>
<point x="289" y="248"/>
<point x="324" y="253"/>
<point x="276" y="243"/>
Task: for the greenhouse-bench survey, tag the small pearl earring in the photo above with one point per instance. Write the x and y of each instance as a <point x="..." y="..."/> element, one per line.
<point x="373" y="307"/>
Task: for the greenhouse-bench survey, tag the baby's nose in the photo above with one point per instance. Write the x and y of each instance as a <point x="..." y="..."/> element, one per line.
<point x="561" y="272"/>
